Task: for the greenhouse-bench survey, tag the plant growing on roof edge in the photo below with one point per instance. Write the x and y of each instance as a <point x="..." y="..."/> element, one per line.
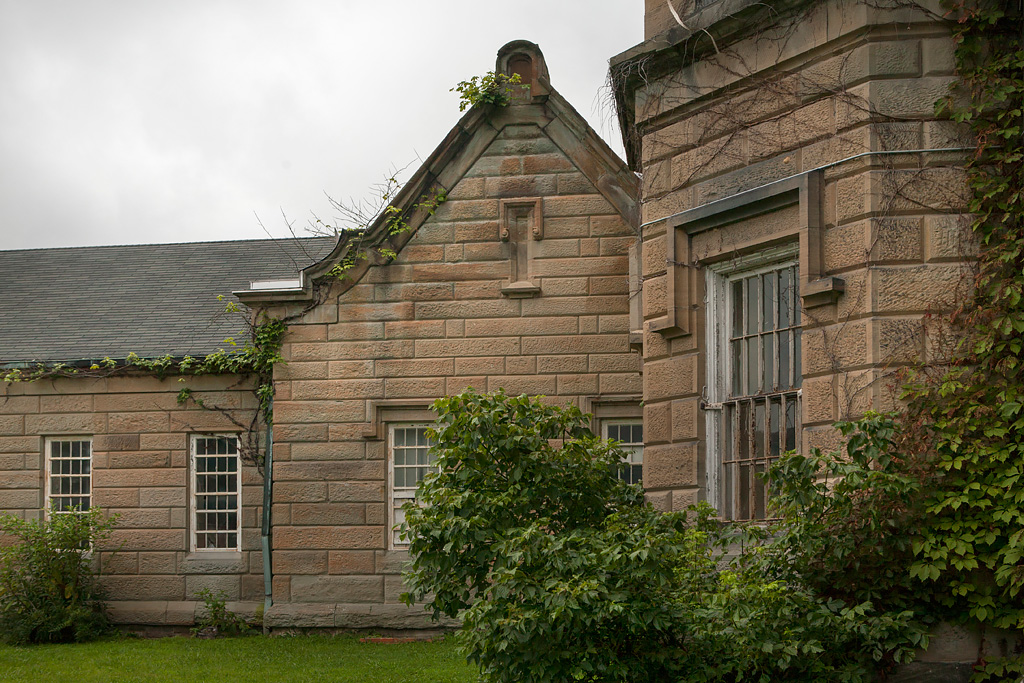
<point x="255" y="358"/>
<point x="491" y="88"/>
<point x="395" y="222"/>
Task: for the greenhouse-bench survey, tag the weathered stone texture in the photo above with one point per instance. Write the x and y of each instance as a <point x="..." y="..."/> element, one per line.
<point x="851" y="95"/>
<point x="140" y="439"/>
<point x="432" y="322"/>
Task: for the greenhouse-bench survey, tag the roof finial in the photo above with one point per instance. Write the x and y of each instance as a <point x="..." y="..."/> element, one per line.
<point x="525" y="58"/>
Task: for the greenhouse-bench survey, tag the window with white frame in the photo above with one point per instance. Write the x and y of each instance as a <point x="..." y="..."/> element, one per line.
<point x="630" y="435"/>
<point x="410" y="460"/>
<point x="753" y="393"/>
<point x="216" y="493"/>
<point x="68" y="474"/>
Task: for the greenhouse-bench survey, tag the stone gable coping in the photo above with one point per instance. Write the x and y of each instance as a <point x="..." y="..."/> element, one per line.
<point x="457" y="153"/>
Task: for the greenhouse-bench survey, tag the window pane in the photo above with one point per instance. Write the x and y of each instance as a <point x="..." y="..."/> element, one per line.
<point x="785" y="295"/>
<point x="737" y="367"/>
<point x="758" y="484"/>
<point x="797" y="372"/>
<point x="759" y="429"/>
<point x="774" y="423"/>
<point x="761" y="408"/>
<point x="743" y="451"/>
<point x="216" y="485"/>
<point x="631" y="441"/>
<point x="729" y="497"/>
<point x="68" y="471"/>
<point x="791" y="423"/>
<point x="753" y="367"/>
<point x="796" y="296"/>
<point x="752" y="307"/>
<point x="737" y="308"/>
<point x="744" y="492"/>
<point x="729" y="432"/>
<point x="411" y="461"/>
<point x="784" y="378"/>
<point x="770" y="302"/>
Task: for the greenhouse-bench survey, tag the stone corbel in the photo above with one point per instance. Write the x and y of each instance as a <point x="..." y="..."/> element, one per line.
<point x="678" y="320"/>
<point x="535" y="205"/>
<point x="816" y="288"/>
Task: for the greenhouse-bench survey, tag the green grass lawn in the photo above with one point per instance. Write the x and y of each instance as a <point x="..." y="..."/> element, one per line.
<point x="339" y="659"/>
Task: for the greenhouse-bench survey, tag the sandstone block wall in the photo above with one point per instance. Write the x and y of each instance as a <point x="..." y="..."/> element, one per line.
<point x="434" y="322"/>
<point x="846" y="88"/>
<point x="140" y="471"/>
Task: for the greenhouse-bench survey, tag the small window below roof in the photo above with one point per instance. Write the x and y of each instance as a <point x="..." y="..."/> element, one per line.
<point x="216" y="493"/>
<point x="68" y="474"/>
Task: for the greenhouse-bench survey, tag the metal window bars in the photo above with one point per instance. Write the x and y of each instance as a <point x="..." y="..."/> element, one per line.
<point x="761" y="417"/>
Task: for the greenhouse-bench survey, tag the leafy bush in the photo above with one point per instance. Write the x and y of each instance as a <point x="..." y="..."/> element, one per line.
<point x="560" y="571"/>
<point x="504" y="462"/>
<point x="48" y="590"/>
<point x="911" y="523"/>
<point x="217" y="619"/>
<point x="845" y="517"/>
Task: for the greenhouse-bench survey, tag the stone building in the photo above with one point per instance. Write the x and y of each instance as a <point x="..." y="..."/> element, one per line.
<point x="123" y="442"/>
<point x="796" y="224"/>
<point x="799" y="224"/>
<point x="519" y="280"/>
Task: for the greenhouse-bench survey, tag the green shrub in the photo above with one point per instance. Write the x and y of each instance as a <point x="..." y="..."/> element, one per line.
<point x="843" y="517"/>
<point x="217" y="619"/>
<point x="561" y="572"/>
<point x="48" y="589"/>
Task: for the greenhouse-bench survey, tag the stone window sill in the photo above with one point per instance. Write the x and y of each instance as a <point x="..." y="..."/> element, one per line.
<point x="215" y="562"/>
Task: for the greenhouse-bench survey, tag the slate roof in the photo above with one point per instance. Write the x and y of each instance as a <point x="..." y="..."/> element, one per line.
<point x="87" y="303"/>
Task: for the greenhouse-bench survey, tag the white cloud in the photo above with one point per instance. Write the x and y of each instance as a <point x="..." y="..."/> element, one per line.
<point x="127" y="122"/>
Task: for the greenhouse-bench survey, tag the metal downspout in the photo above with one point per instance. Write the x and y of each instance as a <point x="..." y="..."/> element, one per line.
<point x="268" y="489"/>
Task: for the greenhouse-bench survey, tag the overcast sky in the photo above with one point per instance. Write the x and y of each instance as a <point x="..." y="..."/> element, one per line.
<point x="133" y="121"/>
